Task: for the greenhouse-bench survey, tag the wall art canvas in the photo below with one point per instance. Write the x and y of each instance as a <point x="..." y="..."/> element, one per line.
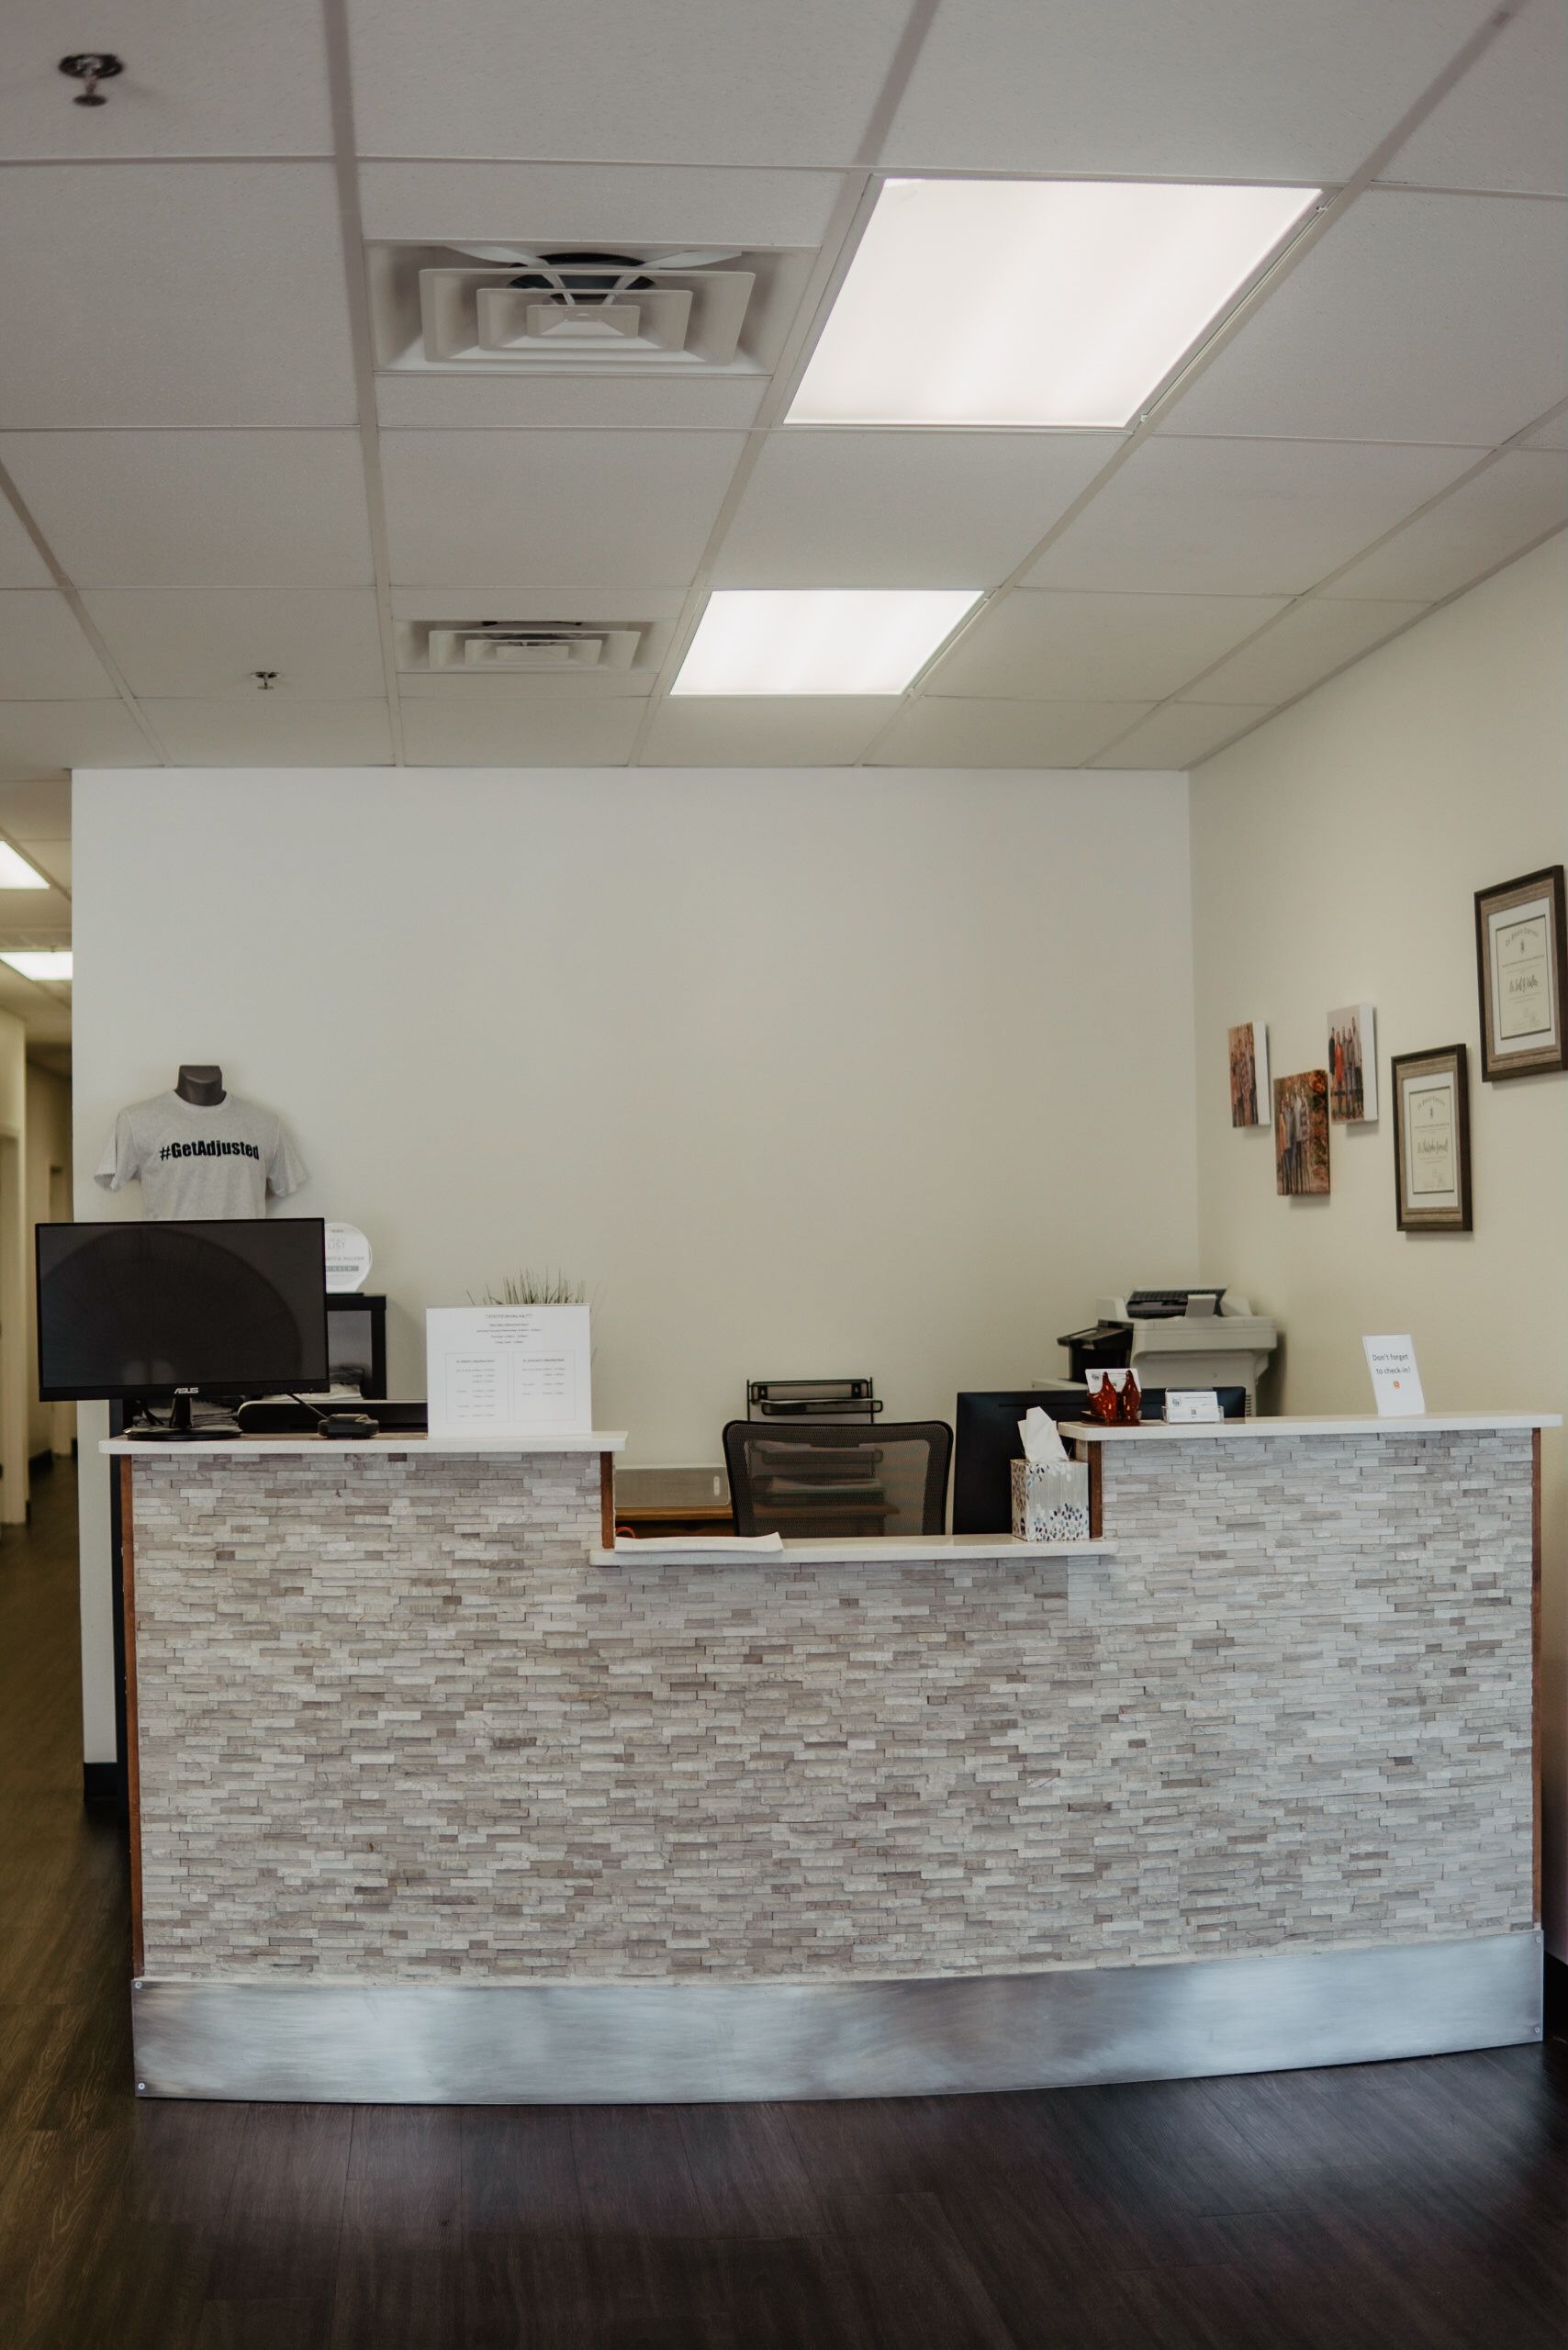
<point x="1431" y="1139"/>
<point x="1249" y="1074"/>
<point x="1521" y="951"/>
<point x="1352" y="1065"/>
<point x="1301" y="1135"/>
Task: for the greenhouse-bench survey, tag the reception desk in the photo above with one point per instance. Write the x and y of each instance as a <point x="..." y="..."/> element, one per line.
<point x="443" y="1796"/>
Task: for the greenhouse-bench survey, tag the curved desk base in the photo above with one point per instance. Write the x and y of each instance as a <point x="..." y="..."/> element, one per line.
<point x="625" y="2043"/>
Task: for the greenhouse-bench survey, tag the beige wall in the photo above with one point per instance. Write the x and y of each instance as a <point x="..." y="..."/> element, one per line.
<point x="49" y="1147"/>
<point x="1335" y="856"/>
<point x="794" y="1068"/>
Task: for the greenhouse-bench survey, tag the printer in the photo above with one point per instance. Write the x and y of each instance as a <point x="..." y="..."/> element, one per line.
<point x="1203" y="1336"/>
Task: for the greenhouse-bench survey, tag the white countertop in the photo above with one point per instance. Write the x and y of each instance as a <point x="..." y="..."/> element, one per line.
<point x="1360" y="1424"/>
<point x="914" y="1549"/>
<point x="390" y="1440"/>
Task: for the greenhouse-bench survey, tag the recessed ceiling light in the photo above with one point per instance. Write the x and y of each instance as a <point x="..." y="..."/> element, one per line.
<point x="818" y="639"/>
<point x="41" y="962"/>
<point x="15" y="873"/>
<point x="1032" y="302"/>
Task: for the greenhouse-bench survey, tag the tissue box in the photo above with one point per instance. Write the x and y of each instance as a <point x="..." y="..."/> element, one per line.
<point x="1051" y="1501"/>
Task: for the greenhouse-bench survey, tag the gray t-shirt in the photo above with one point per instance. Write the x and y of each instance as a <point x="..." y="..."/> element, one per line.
<point x="195" y="1164"/>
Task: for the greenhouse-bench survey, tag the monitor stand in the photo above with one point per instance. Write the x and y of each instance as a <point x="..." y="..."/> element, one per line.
<point x="178" y="1429"/>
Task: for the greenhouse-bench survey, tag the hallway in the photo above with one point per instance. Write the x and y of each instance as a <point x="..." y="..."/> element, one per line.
<point x="1367" y="2208"/>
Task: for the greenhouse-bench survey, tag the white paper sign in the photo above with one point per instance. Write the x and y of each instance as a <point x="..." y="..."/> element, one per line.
<point x="1397" y="1382"/>
<point x="347" y="1258"/>
<point x="494" y="1372"/>
<point x="1191" y="1403"/>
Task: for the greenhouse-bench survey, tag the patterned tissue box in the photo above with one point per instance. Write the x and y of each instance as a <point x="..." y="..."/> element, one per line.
<point x="1051" y="1501"/>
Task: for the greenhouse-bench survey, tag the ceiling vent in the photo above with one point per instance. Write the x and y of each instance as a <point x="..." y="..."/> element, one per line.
<point x="520" y="648"/>
<point x="575" y="310"/>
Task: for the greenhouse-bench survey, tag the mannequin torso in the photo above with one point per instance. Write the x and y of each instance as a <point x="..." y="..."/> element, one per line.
<point x="201" y="1084"/>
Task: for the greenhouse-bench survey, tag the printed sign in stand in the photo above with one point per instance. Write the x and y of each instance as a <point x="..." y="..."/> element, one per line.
<point x="495" y="1371"/>
<point x="1397" y="1382"/>
<point x="1191" y="1406"/>
<point x="347" y="1258"/>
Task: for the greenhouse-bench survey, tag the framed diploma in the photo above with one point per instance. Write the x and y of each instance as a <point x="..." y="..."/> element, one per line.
<point x="1431" y="1139"/>
<point x="1523" y="968"/>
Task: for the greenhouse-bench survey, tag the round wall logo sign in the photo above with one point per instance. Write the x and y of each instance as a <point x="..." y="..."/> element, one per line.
<point x="348" y="1258"/>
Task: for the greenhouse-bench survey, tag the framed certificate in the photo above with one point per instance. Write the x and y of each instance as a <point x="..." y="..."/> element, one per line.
<point x="1431" y="1139"/>
<point x="1520" y="952"/>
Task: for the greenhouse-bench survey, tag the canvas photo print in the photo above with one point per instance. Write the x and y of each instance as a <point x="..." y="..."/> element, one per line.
<point x="1301" y="1135"/>
<point x="1249" y="1073"/>
<point x="1352" y="1065"/>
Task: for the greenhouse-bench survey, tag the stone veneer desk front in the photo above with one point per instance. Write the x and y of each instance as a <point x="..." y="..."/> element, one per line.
<point x="441" y="1796"/>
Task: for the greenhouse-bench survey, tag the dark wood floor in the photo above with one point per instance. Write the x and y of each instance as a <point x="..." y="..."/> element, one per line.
<point x="1358" y="2209"/>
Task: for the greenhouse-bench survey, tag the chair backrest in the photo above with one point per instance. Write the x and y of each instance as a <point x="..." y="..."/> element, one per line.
<point x="823" y="1479"/>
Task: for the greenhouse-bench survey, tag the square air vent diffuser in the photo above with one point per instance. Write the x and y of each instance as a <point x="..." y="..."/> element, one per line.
<point x="554" y="310"/>
<point x="519" y="648"/>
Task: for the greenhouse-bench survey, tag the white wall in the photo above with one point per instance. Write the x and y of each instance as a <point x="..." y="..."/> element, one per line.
<point x="1335" y="858"/>
<point x="802" y="1072"/>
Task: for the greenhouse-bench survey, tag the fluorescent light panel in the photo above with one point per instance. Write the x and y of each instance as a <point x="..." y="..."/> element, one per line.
<point x="15" y="873"/>
<point x="818" y="639"/>
<point x="1032" y="302"/>
<point x="40" y="963"/>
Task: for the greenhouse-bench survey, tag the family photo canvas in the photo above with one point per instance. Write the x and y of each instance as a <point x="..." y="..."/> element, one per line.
<point x="1301" y="1135"/>
<point x="1249" y="1074"/>
<point x="1352" y="1065"/>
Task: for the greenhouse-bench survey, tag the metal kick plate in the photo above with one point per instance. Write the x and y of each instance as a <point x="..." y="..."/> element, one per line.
<point x="609" y="2043"/>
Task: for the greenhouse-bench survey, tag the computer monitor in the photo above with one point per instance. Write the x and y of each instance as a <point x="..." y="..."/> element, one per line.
<point x="157" y="1311"/>
<point x="987" y="1441"/>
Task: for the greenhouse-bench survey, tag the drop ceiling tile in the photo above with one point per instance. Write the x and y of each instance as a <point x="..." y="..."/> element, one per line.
<point x="269" y="730"/>
<point x="595" y="204"/>
<point x="794" y="730"/>
<point x="28" y="1002"/>
<point x="902" y="509"/>
<point x="1518" y="499"/>
<point x="44" y="656"/>
<point x="1311" y="641"/>
<point x="595" y="733"/>
<point x="1180" y="734"/>
<point x="173" y="294"/>
<point x="1505" y="124"/>
<point x="623" y="507"/>
<point x="51" y="857"/>
<point x="21" y="566"/>
<point x="1241" y="518"/>
<point x="1215" y="89"/>
<point x="40" y="912"/>
<point x="535" y="603"/>
<point x="1036" y="644"/>
<point x="735" y="85"/>
<point x="42" y="734"/>
<point x="197" y="508"/>
<point x="1554" y="434"/>
<point x="38" y="809"/>
<point x="459" y="692"/>
<point x="939" y="732"/>
<point x="233" y="80"/>
<point x="491" y="404"/>
<point x="201" y="643"/>
<point x="1414" y="317"/>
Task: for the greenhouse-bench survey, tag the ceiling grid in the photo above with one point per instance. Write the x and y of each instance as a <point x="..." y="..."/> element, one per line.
<point x="210" y="467"/>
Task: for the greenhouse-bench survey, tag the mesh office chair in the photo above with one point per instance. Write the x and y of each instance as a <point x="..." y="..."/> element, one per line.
<point x="820" y="1480"/>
